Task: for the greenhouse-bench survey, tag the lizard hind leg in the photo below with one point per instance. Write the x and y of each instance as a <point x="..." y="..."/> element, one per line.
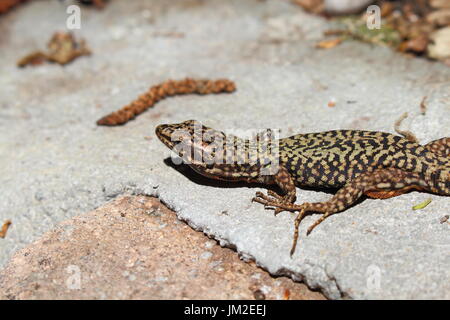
<point x="380" y="180"/>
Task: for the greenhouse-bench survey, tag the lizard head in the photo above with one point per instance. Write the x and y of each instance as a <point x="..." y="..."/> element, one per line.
<point x="212" y="154"/>
<point x="189" y="139"/>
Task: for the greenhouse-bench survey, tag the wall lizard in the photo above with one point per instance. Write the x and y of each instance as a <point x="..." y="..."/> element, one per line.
<point x="376" y="164"/>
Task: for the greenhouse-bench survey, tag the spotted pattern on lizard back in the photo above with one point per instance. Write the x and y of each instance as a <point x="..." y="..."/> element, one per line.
<point x="330" y="159"/>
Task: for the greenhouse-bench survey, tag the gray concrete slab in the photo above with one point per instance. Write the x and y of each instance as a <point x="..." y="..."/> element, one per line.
<point x="56" y="163"/>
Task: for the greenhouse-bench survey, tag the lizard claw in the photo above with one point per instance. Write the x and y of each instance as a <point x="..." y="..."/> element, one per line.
<point x="277" y="211"/>
<point x="272" y="201"/>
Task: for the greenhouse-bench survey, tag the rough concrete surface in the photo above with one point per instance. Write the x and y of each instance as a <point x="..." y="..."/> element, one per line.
<point x="136" y="248"/>
<point x="56" y="163"/>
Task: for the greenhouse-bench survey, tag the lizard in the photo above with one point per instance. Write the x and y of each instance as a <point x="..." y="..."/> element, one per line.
<point x="356" y="162"/>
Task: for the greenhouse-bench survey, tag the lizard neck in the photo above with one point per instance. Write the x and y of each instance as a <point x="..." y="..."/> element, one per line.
<point x="239" y="159"/>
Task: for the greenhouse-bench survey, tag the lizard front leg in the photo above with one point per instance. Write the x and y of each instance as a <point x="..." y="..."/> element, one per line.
<point x="285" y="181"/>
<point x="380" y="180"/>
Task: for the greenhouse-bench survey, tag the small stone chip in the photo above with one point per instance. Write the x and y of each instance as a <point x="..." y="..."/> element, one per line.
<point x="259" y="295"/>
<point x="444" y="219"/>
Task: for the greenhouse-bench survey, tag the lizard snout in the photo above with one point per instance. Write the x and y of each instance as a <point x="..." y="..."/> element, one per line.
<point x="164" y="133"/>
<point x="160" y="129"/>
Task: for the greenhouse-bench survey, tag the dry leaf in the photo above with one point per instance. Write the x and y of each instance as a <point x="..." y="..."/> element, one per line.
<point x="417" y="45"/>
<point x="314" y="6"/>
<point x="439" y="17"/>
<point x="4" y="229"/>
<point x="328" y="44"/>
<point x="440" y="3"/>
<point x="62" y="49"/>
